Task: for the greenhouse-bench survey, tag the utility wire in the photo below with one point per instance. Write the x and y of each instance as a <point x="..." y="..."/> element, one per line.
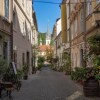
<point x="37" y="1"/>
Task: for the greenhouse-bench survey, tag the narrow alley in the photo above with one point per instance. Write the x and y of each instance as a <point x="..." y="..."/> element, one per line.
<point x="49" y="85"/>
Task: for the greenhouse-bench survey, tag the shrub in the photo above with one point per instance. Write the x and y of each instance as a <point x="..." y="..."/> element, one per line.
<point x="3" y="66"/>
<point x="25" y="69"/>
<point x="79" y="73"/>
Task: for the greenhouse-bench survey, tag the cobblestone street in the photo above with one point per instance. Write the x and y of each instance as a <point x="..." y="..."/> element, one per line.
<point x="49" y="85"/>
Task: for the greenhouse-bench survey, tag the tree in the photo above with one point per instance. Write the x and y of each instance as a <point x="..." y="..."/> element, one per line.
<point x="42" y="37"/>
<point x="49" y="54"/>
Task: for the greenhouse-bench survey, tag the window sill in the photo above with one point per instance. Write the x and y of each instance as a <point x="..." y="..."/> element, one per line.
<point x="6" y="20"/>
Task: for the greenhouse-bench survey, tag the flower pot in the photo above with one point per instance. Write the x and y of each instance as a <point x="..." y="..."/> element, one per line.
<point x="91" y="87"/>
<point x="67" y="72"/>
<point x="25" y="77"/>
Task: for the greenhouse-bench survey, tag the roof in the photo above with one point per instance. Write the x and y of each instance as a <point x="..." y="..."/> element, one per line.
<point x="43" y="48"/>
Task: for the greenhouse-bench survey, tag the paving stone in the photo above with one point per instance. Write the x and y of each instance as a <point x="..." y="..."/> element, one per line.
<point x="49" y="85"/>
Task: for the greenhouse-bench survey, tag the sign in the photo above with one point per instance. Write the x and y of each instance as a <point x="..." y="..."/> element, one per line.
<point x="14" y="68"/>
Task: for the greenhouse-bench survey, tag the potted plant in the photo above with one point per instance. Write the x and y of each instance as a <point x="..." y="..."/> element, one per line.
<point x="79" y="74"/>
<point x="66" y="63"/>
<point x="19" y="74"/>
<point x="25" y="71"/>
<point x="91" y="74"/>
<point x="88" y="77"/>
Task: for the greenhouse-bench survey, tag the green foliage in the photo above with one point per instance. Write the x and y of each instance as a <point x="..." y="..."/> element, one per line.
<point x="93" y="55"/>
<point x="40" y="65"/>
<point x="19" y="74"/>
<point x="41" y="59"/>
<point x="96" y="70"/>
<point x="96" y="61"/>
<point x="54" y="60"/>
<point x="97" y="76"/>
<point x="66" y="62"/>
<point x="94" y="49"/>
<point x="82" y="73"/>
<point x="94" y="44"/>
<point x="49" y="54"/>
<point x="42" y="36"/>
<point x="79" y="74"/>
<point x="40" y="62"/>
<point x="25" y="69"/>
<point x="3" y="66"/>
<point x="52" y="42"/>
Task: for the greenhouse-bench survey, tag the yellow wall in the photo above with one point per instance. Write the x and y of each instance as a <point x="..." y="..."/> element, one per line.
<point x="64" y="22"/>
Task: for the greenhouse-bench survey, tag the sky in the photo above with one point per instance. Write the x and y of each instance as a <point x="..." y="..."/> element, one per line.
<point x="46" y="14"/>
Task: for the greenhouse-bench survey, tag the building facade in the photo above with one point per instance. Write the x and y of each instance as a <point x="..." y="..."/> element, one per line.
<point x="92" y="21"/>
<point x="22" y="33"/>
<point x="80" y="20"/>
<point x="6" y="14"/>
<point x="77" y="25"/>
<point x="34" y="40"/>
<point x="57" y="38"/>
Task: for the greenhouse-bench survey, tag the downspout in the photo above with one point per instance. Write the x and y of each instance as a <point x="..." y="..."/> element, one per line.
<point x="11" y="30"/>
<point x="84" y="10"/>
<point x="70" y="37"/>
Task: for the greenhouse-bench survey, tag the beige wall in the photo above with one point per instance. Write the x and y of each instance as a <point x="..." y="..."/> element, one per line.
<point x="89" y="28"/>
<point x="22" y="31"/>
<point x="77" y="26"/>
<point x="5" y="29"/>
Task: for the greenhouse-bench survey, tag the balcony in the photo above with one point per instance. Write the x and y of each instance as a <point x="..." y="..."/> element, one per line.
<point x="5" y="25"/>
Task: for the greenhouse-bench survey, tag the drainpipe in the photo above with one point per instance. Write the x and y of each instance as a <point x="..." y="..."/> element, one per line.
<point x="11" y="42"/>
<point x="84" y="14"/>
<point x="70" y="36"/>
<point x="11" y="31"/>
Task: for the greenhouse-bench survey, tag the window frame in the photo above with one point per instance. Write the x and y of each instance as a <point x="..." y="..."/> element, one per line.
<point x="6" y="8"/>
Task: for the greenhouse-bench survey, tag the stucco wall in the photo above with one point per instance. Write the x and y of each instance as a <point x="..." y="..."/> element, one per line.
<point x="22" y="39"/>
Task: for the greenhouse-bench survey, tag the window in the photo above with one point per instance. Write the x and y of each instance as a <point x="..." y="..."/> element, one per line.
<point x="7" y="8"/>
<point x="89" y="7"/>
<point x="23" y="58"/>
<point x="81" y="57"/>
<point x="76" y="60"/>
<point x="81" y="21"/>
<point x="5" y="50"/>
<point x="24" y="29"/>
<point x="75" y="24"/>
<point x="14" y="20"/>
<point x="72" y="31"/>
<point x="68" y="35"/>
